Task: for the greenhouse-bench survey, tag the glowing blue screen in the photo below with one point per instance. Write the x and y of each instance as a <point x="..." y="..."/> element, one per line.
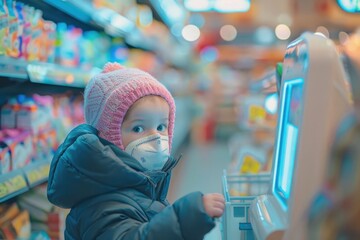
<point x="290" y="118"/>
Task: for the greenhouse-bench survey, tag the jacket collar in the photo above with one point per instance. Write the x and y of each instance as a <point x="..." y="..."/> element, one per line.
<point x="89" y="166"/>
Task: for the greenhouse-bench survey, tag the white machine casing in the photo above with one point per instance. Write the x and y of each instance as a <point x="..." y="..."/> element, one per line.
<point x="326" y="99"/>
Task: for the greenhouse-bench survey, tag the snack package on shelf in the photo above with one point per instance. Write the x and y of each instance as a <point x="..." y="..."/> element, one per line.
<point x="11" y="36"/>
<point x="62" y="122"/>
<point x="9" y="113"/>
<point x="27" y="31"/>
<point x="20" y="144"/>
<point x="4" y="27"/>
<point x="44" y="216"/>
<point x="20" y="13"/>
<point x="77" y="113"/>
<point x="69" y="53"/>
<point x="35" y="44"/>
<point x="45" y="145"/>
<point x="87" y="49"/>
<point x="35" y="113"/>
<point x="14" y="223"/>
<point x="5" y="157"/>
<point x="47" y="53"/>
<point x="38" y="124"/>
<point x="28" y="116"/>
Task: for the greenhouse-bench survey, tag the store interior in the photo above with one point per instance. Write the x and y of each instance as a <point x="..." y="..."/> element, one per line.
<point x="230" y="65"/>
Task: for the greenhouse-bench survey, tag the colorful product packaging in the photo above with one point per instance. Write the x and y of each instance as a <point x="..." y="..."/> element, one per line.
<point x="5" y="158"/>
<point x="9" y="114"/>
<point x="21" y="146"/>
<point x="49" y="37"/>
<point x="19" y="9"/>
<point x="12" y="40"/>
<point x="4" y="27"/>
<point x="87" y="48"/>
<point x="27" y="117"/>
<point x="35" y="113"/>
<point x="17" y="227"/>
<point x="45" y="145"/>
<point x="36" y="33"/>
<point x="27" y="31"/>
<point x="70" y="53"/>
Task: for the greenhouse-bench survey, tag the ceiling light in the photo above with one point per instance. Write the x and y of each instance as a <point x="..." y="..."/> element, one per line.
<point x="282" y="32"/>
<point x="218" y="5"/>
<point x="197" y="5"/>
<point x="191" y="33"/>
<point x="232" y="5"/>
<point x="228" y="32"/>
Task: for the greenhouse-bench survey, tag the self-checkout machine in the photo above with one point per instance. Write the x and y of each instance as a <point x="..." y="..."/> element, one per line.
<point x="314" y="97"/>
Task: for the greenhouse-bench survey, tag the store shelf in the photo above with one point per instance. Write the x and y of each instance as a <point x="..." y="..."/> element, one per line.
<point x="45" y="73"/>
<point x="90" y="17"/>
<point x="37" y="173"/>
<point x="113" y="23"/>
<point x="21" y="180"/>
<point x="13" y="68"/>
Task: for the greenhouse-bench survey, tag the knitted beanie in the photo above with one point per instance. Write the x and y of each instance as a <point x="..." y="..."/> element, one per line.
<point x="109" y="95"/>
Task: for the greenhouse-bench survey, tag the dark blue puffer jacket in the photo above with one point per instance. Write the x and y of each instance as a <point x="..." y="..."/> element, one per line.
<point x="111" y="196"/>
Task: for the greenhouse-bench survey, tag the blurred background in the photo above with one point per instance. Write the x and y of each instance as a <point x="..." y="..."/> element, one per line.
<point x="217" y="57"/>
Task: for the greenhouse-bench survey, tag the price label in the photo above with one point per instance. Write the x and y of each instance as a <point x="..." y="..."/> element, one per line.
<point x="11" y="185"/>
<point x="256" y="113"/>
<point x="250" y="165"/>
<point x="40" y="173"/>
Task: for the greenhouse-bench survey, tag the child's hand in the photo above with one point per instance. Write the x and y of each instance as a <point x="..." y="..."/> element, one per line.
<point x="214" y="204"/>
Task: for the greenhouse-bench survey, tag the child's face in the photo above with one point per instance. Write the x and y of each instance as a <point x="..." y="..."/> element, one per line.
<point x="147" y="116"/>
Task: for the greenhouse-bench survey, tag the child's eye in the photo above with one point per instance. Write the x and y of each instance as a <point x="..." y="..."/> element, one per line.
<point x="161" y="127"/>
<point x="137" y="129"/>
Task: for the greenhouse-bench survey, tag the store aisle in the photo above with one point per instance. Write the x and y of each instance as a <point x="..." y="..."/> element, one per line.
<point x="200" y="169"/>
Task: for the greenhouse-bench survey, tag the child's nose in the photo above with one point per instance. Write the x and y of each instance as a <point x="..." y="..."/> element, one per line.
<point x="153" y="131"/>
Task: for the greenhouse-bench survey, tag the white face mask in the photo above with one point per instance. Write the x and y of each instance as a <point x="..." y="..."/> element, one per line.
<point x="152" y="151"/>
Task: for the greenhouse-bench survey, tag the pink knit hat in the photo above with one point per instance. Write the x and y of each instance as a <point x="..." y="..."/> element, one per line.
<point x="110" y="94"/>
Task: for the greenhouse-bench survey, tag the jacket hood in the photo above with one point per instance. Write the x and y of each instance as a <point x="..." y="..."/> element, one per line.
<point x="86" y="165"/>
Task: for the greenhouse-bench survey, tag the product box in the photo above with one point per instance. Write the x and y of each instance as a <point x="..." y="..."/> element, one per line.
<point x="28" y="118"/>
<point x="45" y="145"/>
<point x="21" y="146"/>
<point x="36" y="33"/>
<point x="4" y="27"/>
<point x="9" y="114"/>
<point x="5" y="158"/>
<point x="35" y="114"/>
<point x="47" y="54"/>
<point x="19" y="7"/>
<point x="12" y="41"/>
<point x="17" y="227"/>
<point x="27" y="31"/>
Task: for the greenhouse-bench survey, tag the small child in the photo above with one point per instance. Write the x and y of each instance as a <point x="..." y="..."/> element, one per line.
<point x="114" y="171"/>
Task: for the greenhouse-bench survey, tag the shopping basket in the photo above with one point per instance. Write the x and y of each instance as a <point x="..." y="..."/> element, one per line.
<point x="239" y="191"/>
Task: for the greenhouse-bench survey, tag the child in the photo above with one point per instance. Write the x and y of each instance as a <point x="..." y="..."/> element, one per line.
<point x="114" y="171"/>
